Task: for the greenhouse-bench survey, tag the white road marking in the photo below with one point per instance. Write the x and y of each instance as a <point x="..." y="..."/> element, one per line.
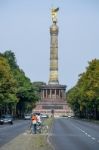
<point x="88" y="135"/>
<point x="93" y="138"/>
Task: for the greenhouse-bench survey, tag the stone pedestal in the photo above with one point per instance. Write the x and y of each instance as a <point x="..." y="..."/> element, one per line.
<point x="53" y="98"/>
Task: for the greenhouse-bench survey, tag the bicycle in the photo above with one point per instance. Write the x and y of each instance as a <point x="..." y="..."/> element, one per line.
<point x="44" y="128"/>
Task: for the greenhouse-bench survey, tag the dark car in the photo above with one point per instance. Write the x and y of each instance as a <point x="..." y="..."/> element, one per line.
<point x="6" y="119"/>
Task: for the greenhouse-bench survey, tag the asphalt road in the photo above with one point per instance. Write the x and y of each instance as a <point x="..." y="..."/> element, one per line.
<point x="8" y="132"/>
<point x="72" y="134"/>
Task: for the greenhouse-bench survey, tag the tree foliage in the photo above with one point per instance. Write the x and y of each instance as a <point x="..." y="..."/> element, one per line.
<point x="7" y="85"/>
<point x="17" y="93"/>
<point x="84" y="97"/>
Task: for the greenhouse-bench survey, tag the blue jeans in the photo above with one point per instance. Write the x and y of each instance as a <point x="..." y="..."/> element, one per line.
<point x="34" y="128"/>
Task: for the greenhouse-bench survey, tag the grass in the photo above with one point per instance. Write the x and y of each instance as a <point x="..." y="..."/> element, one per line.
<point x="40" y="140"/>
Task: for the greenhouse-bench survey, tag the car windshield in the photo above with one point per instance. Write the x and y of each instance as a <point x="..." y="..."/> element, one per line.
<point x="6" y="116"/>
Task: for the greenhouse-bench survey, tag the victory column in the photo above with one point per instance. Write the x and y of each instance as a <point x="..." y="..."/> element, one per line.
<point x="54" y="49"/>
<point x="53" y="96"/>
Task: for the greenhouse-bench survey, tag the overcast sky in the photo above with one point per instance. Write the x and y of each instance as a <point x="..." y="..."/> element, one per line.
<point x="24" y="29"/>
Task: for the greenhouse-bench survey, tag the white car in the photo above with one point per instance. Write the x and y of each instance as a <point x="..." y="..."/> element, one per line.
<point x="44" y="116"/>
<point x="27" y="116"/>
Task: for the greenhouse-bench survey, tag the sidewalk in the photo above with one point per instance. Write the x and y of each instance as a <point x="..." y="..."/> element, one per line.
<point x="27" y="141"/>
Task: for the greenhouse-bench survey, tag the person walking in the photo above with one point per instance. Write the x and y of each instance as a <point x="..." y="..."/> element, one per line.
<point x="34" y="123"/>
<point x="39" y="121"/>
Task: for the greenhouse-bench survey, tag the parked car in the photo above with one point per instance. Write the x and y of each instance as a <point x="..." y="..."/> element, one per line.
<point x="44" y="116"/>
<point x="6" y="119"/>
<point x="27" y="116"/>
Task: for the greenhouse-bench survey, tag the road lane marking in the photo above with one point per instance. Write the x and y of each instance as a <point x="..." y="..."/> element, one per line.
<point x="88" y="135"/>
<point x="93" y="138"/>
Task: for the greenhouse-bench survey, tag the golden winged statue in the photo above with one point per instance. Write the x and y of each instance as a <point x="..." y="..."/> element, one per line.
<point x="54" y="14"/>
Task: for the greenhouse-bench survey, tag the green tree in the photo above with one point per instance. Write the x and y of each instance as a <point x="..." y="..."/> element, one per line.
<point x="26" y="94"/>
<point x="7" y="86"/>
<point x="87" y="88"/>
